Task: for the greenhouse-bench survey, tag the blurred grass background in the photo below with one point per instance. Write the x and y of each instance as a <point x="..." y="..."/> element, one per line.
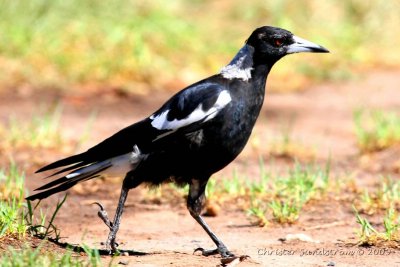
<point x="141" y="45"/>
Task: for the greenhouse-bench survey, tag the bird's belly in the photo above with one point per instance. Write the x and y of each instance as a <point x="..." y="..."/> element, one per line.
<point x="211" y="149"/>
<point x="200" y="157"/>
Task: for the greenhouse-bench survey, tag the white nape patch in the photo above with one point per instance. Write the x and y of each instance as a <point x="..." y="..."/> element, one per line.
<point x="241" y="65"/>
<point x="161" y="122"/>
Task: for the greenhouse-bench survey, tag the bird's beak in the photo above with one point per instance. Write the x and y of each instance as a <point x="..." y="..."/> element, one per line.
<point x="301" y="45"/>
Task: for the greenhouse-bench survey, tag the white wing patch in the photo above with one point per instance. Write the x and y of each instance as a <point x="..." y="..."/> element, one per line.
<point x="161" y="122"/>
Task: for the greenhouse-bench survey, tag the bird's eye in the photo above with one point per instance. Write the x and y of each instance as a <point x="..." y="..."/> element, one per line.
<point x="278" y="42"/>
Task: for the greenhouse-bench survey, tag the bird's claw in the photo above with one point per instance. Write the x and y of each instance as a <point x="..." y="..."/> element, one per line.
<point x="102" y="213"/>
<point x="223" y="251"/>
<point x="108" y="245"/>
<point x="111" y="245"/>
<point x="113" y="250"/>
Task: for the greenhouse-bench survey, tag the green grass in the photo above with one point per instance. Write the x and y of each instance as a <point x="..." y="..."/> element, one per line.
<point x="370" y="236"/>
<point x="11" y="220"/>
<point x="280" y="196"/>
<point x="381" y="198"/>
<point x="79" y="42"/>
<point x="125" y="44"/>
<point x="376" y="130"/>
<point x="17" y="217"/>
<point x="290" y="192"/>
<point x="385" y="198"/>
<point x="12" y="182"/>
<point x="285" y="211"/>
<point x="32" y="257"/>
<point x="257" y="214"/>
<point x="17" y="220"/>
<point x="38" y="227"/>
<point x="12" y="204"/>
<point x="391" y="223"/>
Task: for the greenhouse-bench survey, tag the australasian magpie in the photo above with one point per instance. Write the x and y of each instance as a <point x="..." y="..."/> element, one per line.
<point x="196" y="133"/>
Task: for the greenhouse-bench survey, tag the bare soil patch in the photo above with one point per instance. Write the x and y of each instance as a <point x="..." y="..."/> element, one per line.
<point x="322" y="119"/>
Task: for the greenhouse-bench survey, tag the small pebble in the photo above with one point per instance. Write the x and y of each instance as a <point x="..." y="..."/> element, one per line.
<point x="331" y="263"/>
<point x="122" y="262"/>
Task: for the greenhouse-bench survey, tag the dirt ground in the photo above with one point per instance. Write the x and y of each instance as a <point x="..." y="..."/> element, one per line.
<point x="322" y="119"/>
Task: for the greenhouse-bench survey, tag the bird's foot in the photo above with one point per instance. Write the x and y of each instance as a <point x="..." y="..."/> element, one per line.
<point x="221" y="250"/>
<point x="111" y="245"/>
<point x="228" y="258"/>
<point x="102" y="213"/>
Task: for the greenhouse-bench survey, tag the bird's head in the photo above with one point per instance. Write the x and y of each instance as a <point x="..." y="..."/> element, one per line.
<point x="271" y="43"/>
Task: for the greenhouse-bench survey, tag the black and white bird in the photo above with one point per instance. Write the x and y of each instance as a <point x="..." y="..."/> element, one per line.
<point x="196" y="133"/>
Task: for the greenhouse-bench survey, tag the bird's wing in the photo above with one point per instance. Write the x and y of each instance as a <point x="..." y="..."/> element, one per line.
<point x="190" y="108"/>
<point x="186" y="111"/>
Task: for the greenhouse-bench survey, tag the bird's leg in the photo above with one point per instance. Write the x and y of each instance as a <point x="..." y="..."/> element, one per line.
<point x="195" y="203"/>
<point x="111" y="245"/>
